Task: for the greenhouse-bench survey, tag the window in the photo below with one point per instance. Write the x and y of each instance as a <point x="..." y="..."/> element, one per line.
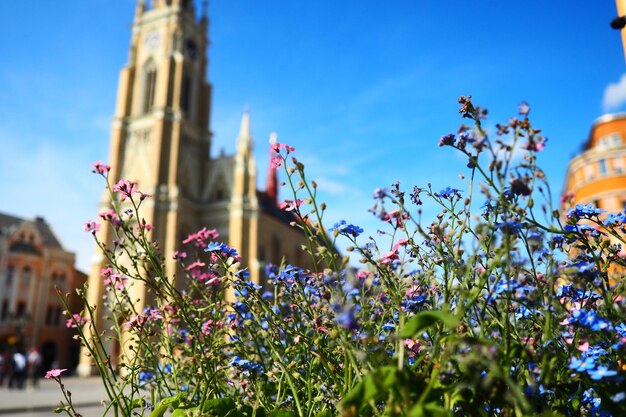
<point x="149" y="85"/>
<point x="185" y="96"/>
<point x="602" y="167"/>
<point x="49" y="315"/>
<point x="21" y="309"/>
<point x="26" y="276"/>
<point x="10" y="275"/>
<point x="610" y="140"/>
<point x="5" y="310"/>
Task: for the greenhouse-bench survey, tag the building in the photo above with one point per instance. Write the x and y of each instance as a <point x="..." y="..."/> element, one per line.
<point x="598" y="174"/>
<point x="161" y="138"/>
<point x="33" y="263"/>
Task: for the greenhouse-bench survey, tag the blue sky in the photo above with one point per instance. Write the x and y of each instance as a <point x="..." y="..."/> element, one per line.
<point x="362" y="89"/>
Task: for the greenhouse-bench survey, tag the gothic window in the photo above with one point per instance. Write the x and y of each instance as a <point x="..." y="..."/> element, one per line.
<point x="276" y="249"/>
<point x="149" y="85"/>
<point x="185" y="96"/>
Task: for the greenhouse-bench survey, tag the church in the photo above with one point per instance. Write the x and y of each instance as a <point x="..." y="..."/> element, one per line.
<point x="161" y="138"/>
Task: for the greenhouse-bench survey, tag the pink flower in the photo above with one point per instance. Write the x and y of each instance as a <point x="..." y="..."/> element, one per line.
<point x="92" y="226"/>
<point x="194" y="265"/>
<point x="289" y="205"/>
<point x="77" y="320"/>
<point x="276" y="162"/>
<point x="54" y="373"/>
<point x="276" y="147"/>
<point x="179" y="256"/>
<point x="144" y="226"/>
<point x="401" y="242"/>
<point x="113" y="278"/>
<point x="111" y="216"/>
<point x="389" y="257"/>
<point x="125" y="188"/>
<point x="202" y="237"/>
<point x="100" y="168"/>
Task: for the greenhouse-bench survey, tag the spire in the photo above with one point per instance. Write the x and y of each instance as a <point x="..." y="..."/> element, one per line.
<point x="140" y="8"/>
<point x="244" y="141"/>
<point x="271" y="186"/>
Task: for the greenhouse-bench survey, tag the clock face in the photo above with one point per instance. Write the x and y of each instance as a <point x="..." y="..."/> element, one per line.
<point x="191" y="49"/>
<point x="152" y="41"/>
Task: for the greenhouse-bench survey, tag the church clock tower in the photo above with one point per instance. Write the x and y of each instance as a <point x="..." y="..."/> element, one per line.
<point x="160" y="135"/>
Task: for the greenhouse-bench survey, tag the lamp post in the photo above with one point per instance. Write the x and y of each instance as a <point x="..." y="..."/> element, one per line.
<point x="19" y="321"/>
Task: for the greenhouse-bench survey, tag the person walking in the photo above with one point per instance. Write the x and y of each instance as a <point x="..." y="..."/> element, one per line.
<point x="34" y="366"/>
<point x="18" y="374"/>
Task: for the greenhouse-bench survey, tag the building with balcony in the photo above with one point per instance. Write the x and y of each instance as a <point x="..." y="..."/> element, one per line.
<point x="598" y="174"/>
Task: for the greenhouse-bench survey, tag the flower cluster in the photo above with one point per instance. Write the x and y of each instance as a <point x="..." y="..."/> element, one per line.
<point x="495" y="313"/>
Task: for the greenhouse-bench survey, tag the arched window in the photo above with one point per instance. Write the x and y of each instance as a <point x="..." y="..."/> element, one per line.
<point x="26" y="275"/>
<point x="185" y="96"/>
<point x="149" y="85"/>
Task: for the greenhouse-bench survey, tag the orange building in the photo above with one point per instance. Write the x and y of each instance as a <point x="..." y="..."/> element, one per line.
<point x="598" y="174"/>
<point x="32" y="263"/>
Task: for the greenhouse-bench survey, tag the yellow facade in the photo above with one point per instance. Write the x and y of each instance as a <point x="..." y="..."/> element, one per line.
<point x="598" y="174"/>
<point x="161" y="138"/>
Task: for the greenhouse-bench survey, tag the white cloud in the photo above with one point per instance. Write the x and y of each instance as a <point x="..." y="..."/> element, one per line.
<point x="614" y="94"/>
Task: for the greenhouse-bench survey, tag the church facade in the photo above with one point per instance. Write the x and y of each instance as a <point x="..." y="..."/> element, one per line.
<point x="161" y="138"/>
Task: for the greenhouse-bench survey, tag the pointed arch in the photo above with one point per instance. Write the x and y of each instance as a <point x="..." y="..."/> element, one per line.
<point x="149" y="85"/>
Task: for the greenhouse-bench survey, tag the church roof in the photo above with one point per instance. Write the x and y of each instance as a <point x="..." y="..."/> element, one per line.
<point x="9" y="223"/>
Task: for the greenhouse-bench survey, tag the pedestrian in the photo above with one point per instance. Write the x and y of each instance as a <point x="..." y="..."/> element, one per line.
<point x="34" y="366"/>
<point x="3" y="368"/>
<point x="18" y="374"/>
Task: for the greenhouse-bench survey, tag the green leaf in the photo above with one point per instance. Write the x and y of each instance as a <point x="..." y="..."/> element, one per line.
<point x="219" y="406"/>
<point x="164" y="404"/>
<point x="180" y="412"/>
<point x="424" y="320"/>
<point x="159" y="410"/>
<point x="373" y="386"/>
<point x="325" y="413"/>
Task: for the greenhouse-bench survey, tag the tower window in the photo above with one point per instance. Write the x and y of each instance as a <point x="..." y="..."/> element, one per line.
<point x="185" y="95"/>
<point x="149" y="86"/>
<point x="602" y="167"/>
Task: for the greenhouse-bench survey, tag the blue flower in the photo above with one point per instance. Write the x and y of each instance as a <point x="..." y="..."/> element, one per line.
<point x="447" y="140"/>
<point x="615" y="219"/>
<point x="510" y="226"/>
<point x="582" y="365"/>
<point x="346" y="229"/>
<point x="584" y="211"/>
<point x="145" y="377"/>
<point x="600" y="372"/>
<point x="347" y="320"/>
<point x="246" y="366"/>
<point x="221" y="247"/>
<point x="449" y="192"/>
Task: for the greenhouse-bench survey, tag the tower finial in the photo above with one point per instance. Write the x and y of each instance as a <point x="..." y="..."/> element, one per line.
<point x="244" y="141"/>
<point x="205" y="9"/>
<point x="140" y="8"/>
